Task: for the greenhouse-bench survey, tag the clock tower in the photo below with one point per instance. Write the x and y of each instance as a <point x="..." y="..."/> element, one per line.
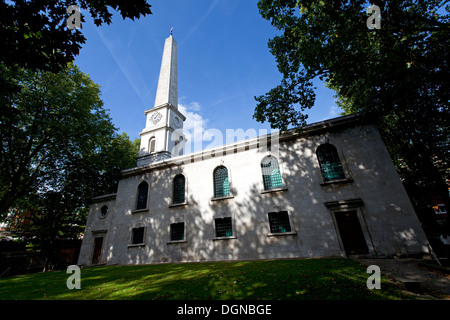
<point x="162" y="137"/>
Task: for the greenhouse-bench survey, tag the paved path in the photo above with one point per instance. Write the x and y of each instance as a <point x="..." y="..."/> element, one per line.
<point x="426" y="283"/>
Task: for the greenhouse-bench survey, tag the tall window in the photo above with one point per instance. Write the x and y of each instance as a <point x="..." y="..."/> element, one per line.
<point x="271" y="173"/>
<point x="279" y="222"/>
<point x="151" y="145"/>
<point x="221" y="182"/>
<point x="142" y="196"/>
<point x="330" y="164"/>
<point x="179" y="183"/>
<point x="224" y="227"/>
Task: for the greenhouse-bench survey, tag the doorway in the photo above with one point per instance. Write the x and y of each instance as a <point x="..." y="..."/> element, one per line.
<point x="351" y="232"/>
<point x="98" y="242"/>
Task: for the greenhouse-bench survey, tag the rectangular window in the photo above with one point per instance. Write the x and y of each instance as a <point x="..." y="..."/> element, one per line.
<point x="179" y="183"/>
<point x="177" y="231"/>
<point x="137" y="235"/>
<point x="279" y="222"/>
<point x="224" y="227"/>
<point x="332" y="171"/>
<point x="273" y="181"/>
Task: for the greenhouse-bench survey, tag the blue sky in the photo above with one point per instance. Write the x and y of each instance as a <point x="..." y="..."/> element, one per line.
<point x="223" y="63"/>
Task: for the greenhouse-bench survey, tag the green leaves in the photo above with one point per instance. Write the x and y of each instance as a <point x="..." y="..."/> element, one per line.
<point x="59" y="148"/>
<point x="34" y="33"/>
<point x="56" y="135"/>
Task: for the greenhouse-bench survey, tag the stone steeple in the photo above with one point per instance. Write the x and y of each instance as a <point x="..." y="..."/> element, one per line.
<point x="163" y="136"/>
<point x="167" y="91"/>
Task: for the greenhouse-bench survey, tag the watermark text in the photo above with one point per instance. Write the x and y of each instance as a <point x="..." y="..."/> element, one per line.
<point x="74" y="281"/>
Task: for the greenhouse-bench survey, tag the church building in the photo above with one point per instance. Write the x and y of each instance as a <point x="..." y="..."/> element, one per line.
<point x="326" y="189"/>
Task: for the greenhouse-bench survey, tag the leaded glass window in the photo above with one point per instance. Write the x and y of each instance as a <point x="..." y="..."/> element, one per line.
<point x="221" y="182"/>
<point x="271" y="173"/>
<point x="224" y="227"/>
<point x="142" y="196"/>
<point x="177" y="231"/>
<point x="179" y="189"/>
<point x="330" y="164"/>
<point x="279" y="222"/>
<point x="137" y="235"/>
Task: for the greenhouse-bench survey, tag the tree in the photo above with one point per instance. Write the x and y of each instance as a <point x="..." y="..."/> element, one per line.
<point x="35" y="35"/>
<point x="51" y="223"/>
<point x="397" y="75"/>
<point x="59" y="149"/>
<point x="49" y="220"/>
<point x="55" y="135"/>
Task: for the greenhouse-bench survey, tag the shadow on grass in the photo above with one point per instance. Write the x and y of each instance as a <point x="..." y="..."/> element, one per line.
<point x="309" y="279"/>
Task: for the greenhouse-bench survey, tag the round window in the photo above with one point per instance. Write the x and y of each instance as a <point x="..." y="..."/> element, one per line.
<point x="177" y="121"/>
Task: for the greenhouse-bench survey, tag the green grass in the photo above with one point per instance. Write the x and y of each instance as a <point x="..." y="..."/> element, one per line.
<point x="267" y="280"/>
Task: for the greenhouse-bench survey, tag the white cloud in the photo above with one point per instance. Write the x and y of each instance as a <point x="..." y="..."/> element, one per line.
<point x="194" y="127"/>
<point x="200" y="137"/>
<point x="194" y="106"/>
<point x="333" y="112"/>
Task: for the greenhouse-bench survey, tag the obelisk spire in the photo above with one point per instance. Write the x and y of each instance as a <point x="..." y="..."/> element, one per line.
<point x="167" y="92"/>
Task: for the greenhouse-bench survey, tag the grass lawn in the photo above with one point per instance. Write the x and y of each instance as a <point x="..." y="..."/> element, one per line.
<point x="267" y="280"/>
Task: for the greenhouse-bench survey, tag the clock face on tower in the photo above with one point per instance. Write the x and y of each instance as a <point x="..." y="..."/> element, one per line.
<point x="155" y="117"/>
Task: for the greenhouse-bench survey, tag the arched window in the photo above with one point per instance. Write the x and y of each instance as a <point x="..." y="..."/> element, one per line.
<point x="179" y="183"/>
<point x="104" y="211"/>
<point x="271" y="173"/>
<point x="330" y="164"/>
<point x="151" y="145"/>
<point x="221" y="182"/>
<point x="142" y="196"/>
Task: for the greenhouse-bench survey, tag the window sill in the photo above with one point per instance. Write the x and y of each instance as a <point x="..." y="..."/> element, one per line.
<point x="139" y="210"/>
<point x="341" y="181"/>
<point x="224" y="238"/>
<point x="136" y="245"/>
<point x="291" y="233"/>
<point x="274" y="190"/>
<point x="177" y="241"/>
<point x="174" y="205"/>
<point x="222" y="198"/>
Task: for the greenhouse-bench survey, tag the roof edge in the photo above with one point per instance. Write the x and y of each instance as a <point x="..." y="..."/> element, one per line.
<point x="316" y="128"/>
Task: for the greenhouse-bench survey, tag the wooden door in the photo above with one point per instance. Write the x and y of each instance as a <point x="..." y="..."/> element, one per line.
<point x="351" y="233"/>
<point x="97" y="250"/>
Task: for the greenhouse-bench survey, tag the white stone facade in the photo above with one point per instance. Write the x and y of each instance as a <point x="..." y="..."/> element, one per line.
<point x="277" y="197"/>
<point x="371" y="194"/>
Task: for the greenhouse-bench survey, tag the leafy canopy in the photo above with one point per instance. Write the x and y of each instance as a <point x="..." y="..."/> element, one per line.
<point x="35" y="35"/>
<point x="376" y="71"/>
<point x="55" y="135"/>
